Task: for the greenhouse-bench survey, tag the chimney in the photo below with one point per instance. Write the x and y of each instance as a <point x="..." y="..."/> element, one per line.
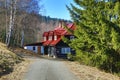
<point x="60" y="24"/>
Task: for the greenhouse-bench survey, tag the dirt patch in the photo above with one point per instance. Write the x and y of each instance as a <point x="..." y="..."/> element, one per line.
<point x="18" y="72"/>
<point x="89" y="73"/>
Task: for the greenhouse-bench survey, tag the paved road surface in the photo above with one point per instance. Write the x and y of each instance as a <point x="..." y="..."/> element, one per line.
<point x="43" y="69"/>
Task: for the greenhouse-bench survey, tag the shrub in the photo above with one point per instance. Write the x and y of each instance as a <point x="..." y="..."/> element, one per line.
<point x="70" y="57"/>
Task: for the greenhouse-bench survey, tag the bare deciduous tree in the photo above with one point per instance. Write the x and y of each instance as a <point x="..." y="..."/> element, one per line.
<point x="11" y="22"/>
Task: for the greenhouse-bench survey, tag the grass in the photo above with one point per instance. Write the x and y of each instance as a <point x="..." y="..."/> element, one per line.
<point x="7" y="60"/>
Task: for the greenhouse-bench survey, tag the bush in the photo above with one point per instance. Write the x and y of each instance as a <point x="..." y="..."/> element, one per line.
<point x="70" y="57"/>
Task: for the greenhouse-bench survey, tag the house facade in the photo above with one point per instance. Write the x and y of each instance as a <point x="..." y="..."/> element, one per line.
<point x="53" y="45"/>
<point x="35" y="47"/>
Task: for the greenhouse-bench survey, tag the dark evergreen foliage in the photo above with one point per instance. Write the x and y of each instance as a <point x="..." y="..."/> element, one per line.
<point x="97" y="41"/>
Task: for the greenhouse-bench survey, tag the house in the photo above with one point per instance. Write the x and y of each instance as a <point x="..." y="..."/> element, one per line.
<point x="52" y="44"/>
<point x="35" y="47"/>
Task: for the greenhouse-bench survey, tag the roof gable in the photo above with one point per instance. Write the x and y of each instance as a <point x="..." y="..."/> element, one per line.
<point x="45" y="33"/>
<point x="63" y="31"/>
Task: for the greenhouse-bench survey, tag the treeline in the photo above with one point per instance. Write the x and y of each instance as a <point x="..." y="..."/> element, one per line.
<point x="29" y="24"/>
<point x="97" y="33"/>
<point x="16" y="14"/>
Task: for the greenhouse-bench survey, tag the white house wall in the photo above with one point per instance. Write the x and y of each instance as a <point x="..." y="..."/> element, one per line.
<point x="31" y="48"/>
<point x="42" y="50"/>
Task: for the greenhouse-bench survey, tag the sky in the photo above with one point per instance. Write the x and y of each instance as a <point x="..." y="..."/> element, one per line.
<point x="57" y="8"/>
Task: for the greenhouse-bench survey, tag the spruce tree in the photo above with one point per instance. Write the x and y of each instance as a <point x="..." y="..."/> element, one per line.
<point x="97" y="33"/>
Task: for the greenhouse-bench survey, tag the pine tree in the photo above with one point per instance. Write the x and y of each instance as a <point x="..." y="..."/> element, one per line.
<point x="97" y="41"/>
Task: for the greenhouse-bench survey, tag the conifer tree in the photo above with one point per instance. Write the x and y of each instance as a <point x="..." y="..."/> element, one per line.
<point x="97" y="41"/>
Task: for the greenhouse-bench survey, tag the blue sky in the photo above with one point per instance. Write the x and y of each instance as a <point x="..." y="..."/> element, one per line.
<point x="56" y="8"/>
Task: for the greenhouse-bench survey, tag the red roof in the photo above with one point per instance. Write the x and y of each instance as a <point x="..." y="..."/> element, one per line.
<point x="51" y="33"/>
<point x="62" y="31"/>
<point x="58" y="28"/>
<point x="53" y="43"/>
<point x="45" y="34"/>
<point x="58" y="31"/>
<point x="47" y="43"/>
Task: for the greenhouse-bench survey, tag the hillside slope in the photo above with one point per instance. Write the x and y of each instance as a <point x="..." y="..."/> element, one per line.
<point x="7" y="59"/>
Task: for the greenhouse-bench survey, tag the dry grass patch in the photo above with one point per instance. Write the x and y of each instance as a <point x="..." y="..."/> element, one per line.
<point x="9" y="69"/>
<point x="89" y="73"/>
<point x="18" y="72"/>
<point x="7" y="60"/>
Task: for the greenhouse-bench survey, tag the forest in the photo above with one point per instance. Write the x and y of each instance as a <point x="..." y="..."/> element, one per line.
<point x="22" y="23"/>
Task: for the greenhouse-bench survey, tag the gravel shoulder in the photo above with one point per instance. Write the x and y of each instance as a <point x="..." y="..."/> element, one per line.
<point x="89" y="73"/>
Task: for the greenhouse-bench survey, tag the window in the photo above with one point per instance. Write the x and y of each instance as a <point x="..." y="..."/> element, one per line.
<point x="55" y="37"/>
<point x="50" y="38"/>
<point x="45" y="38"/>
<point x="65" y="50"/>
<point x="71" y="37"/>
<point x="33" y="47"/>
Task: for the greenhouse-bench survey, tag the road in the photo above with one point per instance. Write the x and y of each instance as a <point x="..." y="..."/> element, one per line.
<point x="44" y="69"/>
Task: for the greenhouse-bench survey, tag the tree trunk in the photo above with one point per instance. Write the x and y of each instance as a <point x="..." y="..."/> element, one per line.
<point x="22" y="40"/>
<point x="6" y="20"/>
<point x="12" y="21"/>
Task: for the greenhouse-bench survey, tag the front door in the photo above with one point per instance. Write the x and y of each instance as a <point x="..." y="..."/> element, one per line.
<point x="39" y="50"/>
<point x="46" y="50"/>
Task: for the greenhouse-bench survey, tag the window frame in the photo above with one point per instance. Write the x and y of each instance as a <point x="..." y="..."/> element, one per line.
<point x="55" y="37"/>
<point x="34" y="48"/>
<point x="45" y="38"/>
<point x="65" y="50"/>
<point x="50" y="38"/>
